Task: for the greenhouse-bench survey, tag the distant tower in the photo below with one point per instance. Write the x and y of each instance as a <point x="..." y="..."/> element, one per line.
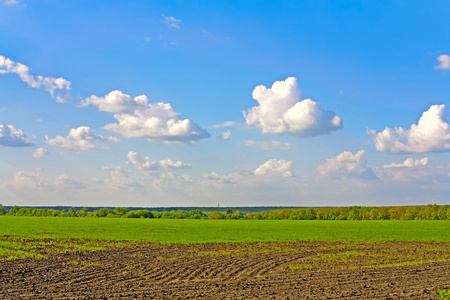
<point x="218" y="204"/>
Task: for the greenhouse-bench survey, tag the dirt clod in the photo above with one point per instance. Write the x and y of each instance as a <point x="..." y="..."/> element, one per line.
<point x="230" y="271"/>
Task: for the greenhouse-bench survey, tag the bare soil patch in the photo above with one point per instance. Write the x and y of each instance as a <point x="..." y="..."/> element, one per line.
<point x="290" y="270"/>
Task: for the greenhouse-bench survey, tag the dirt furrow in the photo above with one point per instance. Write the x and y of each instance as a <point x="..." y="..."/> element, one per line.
<point x="230" y="271"/>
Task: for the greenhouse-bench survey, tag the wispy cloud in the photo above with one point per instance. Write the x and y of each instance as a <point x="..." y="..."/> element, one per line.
<point x="11" y="2"/>
<point x="50" y="84"/>
<point x="223" y="125"/>
<point x="272" y="145"/>
<point x="172" y="22"/>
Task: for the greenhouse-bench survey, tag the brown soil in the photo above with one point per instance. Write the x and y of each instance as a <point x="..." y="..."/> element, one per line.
<point x="322" y="270"/>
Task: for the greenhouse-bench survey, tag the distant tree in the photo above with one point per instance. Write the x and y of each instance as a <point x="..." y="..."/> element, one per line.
<point x="181" y="214"/>
<point x="238" y="215"/>
<point x="216" y="215"/>
<point x="168" y="215"/>
<point x="258" y="216"/>
<point x="82" y="212"/>
<point x="13" y="210"/>
<point x="120" y="211"/>
<point x="72" y="212"/>
<point x="196" y="214"/>
<point x="2" y="210"/>
<point x="102" y="212"/>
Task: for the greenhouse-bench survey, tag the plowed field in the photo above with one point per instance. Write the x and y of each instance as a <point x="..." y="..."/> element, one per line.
<point x="290" y="270"/>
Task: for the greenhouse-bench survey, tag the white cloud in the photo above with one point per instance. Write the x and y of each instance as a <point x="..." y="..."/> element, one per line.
<point x="117" y="102"/>
<point x="145" y="163"/>
<point x="271" y="170"/>
<point x="222" y="179"/>
<point x="50" y="84"/>
<point x="409" y="162"/>
<point x="66" y="181"/>
<point x="80" y="139"/>
<point x="24" y="180"/>
<point x="281" y="111"/>
<point x="12" y="137"/>
<point x="444" y="62"/>
<point x="226" y="135"/>
<point x="141" y="163"/>
<point x="347" y="165"/>
<point x="34" y="180"/>
<point x="223" y="125"/>
<point x="275" y="167"/>
<point x="156" y="122"/>
<point x="431" y="134"/>
<point x="169" y="164"/>
<point x="272" y="145"/>
<point x="172" y="181"/>
<point x="172" y="22"/>
<point x="119" y="178"/>
<point x="40" y="152"/>
<point x="418" y="171"/>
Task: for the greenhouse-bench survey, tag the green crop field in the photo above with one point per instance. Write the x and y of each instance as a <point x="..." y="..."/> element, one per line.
<point x="205" y="231"/>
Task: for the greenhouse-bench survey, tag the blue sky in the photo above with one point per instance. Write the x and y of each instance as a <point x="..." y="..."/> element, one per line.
<point x="191" y="103"/>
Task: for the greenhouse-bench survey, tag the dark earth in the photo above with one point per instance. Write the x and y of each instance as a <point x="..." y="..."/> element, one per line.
<point x="328" y="270"/>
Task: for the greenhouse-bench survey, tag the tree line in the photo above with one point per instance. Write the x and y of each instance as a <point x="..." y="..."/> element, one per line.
<point x="428" y="212"/>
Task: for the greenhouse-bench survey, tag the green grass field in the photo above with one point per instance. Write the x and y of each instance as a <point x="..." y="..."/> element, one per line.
<point x="37" y="237"/>
<point x="205" y="231"/>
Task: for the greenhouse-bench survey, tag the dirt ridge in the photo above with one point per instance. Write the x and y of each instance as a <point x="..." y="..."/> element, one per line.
<point x="228" y="271"/>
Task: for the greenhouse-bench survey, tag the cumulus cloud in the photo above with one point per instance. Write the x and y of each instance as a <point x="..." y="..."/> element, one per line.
<point x="418" y="171"/>
<point x="275" y="167"/>
<point x="12" y="137"/>
<point x="266" y="172"/>
<point x="226" y="135"/>
<point x="272" y="145"/>
<point x="444" y="62"/>
<point x="172" y="181"/>
<point x="145" y="163"/>
<point x="409" y="162"/>
<point x="223" y="125"/>
<point x="156" y="122"/>
<point x="116" y="102"/>
<point x="35" y="180"/>
<point x="431" y="134"/>
<point x="172" y="22"/>
<point x="281" y="111"/>
<point x="66" y="181"/>
<point x="347" y="165"/>
<point x="119" y="178"/>
<point x="50" y="84"/>
<point x="40" y="152"/>
<point x="80" y="139"/>
<point x="26" y="180"/>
